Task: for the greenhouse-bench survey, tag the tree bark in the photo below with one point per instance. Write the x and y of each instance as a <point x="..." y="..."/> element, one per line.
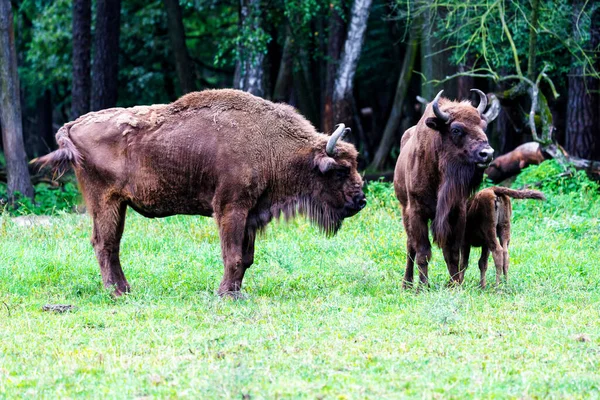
<point x="531" y="72"/>
<point x="185" y="71"/>
<point x="82" y="46"/>
<point x="342" y="93"/>
<point x="582" y="121"/>
<point x="283" y="84"/>
<point x="249" y="67"/>
<point x="391" y="128"/>
<point x="10" y="108"/>
<point x="465" y="83"/>
<point x="335" y="41"/>
<point x="105" y="67"/>
<point x="595" y="44"/>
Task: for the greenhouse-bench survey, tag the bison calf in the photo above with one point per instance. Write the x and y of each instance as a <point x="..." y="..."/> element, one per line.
<point x="221" y="153"/>
<point x="488" y="227"/>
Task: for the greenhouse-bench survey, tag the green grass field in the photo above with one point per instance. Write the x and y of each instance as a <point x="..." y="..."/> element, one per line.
<point x="321" y="318"/>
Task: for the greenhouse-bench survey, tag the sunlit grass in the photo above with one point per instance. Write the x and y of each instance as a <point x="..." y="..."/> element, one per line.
<point x="320" y="318"/>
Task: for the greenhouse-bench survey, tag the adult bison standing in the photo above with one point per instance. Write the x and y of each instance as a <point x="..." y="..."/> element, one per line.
<point x="441" y="163"/>
<point x="225" y="153"/>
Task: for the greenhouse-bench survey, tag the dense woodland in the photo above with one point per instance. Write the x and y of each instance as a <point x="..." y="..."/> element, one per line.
<point x="370" y="64"/>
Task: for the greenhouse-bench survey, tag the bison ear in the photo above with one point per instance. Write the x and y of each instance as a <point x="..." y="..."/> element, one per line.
<point x="434" y="123"/>
<point x="326" y="164"/>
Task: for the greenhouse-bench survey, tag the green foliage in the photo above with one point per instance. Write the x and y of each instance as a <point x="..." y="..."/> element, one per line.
<point x="566" y="190"/>
<point x="553" y="178"/>
<point x="46" y="46"/>
<point x="381" y="194"/>
<point x="48" y="200"/>
<point x="478" y="38"/>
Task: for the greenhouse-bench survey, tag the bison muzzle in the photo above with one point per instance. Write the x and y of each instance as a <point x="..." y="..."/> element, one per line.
<point x="221" y="153"/>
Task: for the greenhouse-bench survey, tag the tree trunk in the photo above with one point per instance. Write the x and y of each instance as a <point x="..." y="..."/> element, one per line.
<point x="434" y="60"/>
<point x="531" y="71"/>
<point x="595" y="44"/>
<point x="82" y="46"/>
<point x="426" y="47"/>
<point x="464" y="83"/>
<point x="342" y="93"/>
<point x="283" y="84"/>
<point x="335" y="41"/>
<point x="249" y="67"/>
<point x="105" y="67"/>
<point x="581" y="113"/>
<point x="185" y="71"/>
<point x="581" y="125"/>
<point x="10" y="108"/>
<point x="391" y="128"/>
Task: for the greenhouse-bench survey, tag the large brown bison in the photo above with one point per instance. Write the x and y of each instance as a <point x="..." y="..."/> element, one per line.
<point x="441" y="163"/>
<point x="225" y="153"/>
<point x="511" y="163"/>
<point x="488" y="227"/>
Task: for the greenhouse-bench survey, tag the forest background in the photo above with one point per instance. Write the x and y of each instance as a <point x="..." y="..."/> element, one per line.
<point x="362" y="62"/>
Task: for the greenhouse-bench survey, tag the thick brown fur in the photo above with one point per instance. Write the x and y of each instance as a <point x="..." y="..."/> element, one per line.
<point x="488" y="226"/>
<point x="511" y="163"/>
<point x="222" y="153"/>
<point x="438" y="168"/>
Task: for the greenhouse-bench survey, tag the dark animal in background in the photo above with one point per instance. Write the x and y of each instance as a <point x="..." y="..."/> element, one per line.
<point x="511" y="163"/>
<point x="225" y="153"/>
<point x="488" y="227"/>
<point x="441" y="163"/>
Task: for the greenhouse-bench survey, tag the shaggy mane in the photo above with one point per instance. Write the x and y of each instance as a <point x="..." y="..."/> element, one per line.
<point x="459" y="182"/>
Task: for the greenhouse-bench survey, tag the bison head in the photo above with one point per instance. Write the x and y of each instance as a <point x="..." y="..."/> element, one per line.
<point x="462" y="127"/>
<point x="337" y="186"/>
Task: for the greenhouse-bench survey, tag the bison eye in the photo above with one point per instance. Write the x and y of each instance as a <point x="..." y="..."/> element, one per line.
<point x="456" y="131"/>
<point x="341" y="173"/>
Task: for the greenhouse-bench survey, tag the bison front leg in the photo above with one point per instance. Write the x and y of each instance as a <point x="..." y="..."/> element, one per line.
<point x="453" y="246"/>
<point x="109" y="222"/>
<point x="421" y="247"/>
<point x="410" y="253"/>
<point x="464" y="260"/>
<point x="232" y="230"/>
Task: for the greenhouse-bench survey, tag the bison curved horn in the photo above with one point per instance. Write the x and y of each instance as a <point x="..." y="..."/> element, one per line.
<point x="436" y="108"/>
<point x="483" y="101"/>
<point x="338" y="134"/>
<point x="494" y="109"/>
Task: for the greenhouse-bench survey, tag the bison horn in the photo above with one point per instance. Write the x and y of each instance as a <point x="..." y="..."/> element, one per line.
<point x="338" y="134"/>
<point x="483" y="101"/>
<point x="494" y="109"/>
<point x="436" y="108"/>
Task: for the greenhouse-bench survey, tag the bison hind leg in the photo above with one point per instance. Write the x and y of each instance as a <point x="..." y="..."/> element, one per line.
<point x="483" y="264"/>
<point x="410" y="266"/>
<point x="109" y="222"/>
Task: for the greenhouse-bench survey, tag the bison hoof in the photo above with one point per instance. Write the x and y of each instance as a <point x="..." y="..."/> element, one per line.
<point x="119" y="288"/>
<point x="452" y="283"/>
<point x="232" y="294"/>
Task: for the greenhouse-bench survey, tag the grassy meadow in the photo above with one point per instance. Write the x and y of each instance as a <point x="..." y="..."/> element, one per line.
<point x="321" y="318"/>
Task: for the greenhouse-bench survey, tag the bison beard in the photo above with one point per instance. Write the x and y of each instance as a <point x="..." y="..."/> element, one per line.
<point x="460" y="182"/>
<point x="225" y="153"/>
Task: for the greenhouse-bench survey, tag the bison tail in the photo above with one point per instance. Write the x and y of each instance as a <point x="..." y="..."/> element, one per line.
<point x="60" y="160"/>
<point x="519" y="194"/>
